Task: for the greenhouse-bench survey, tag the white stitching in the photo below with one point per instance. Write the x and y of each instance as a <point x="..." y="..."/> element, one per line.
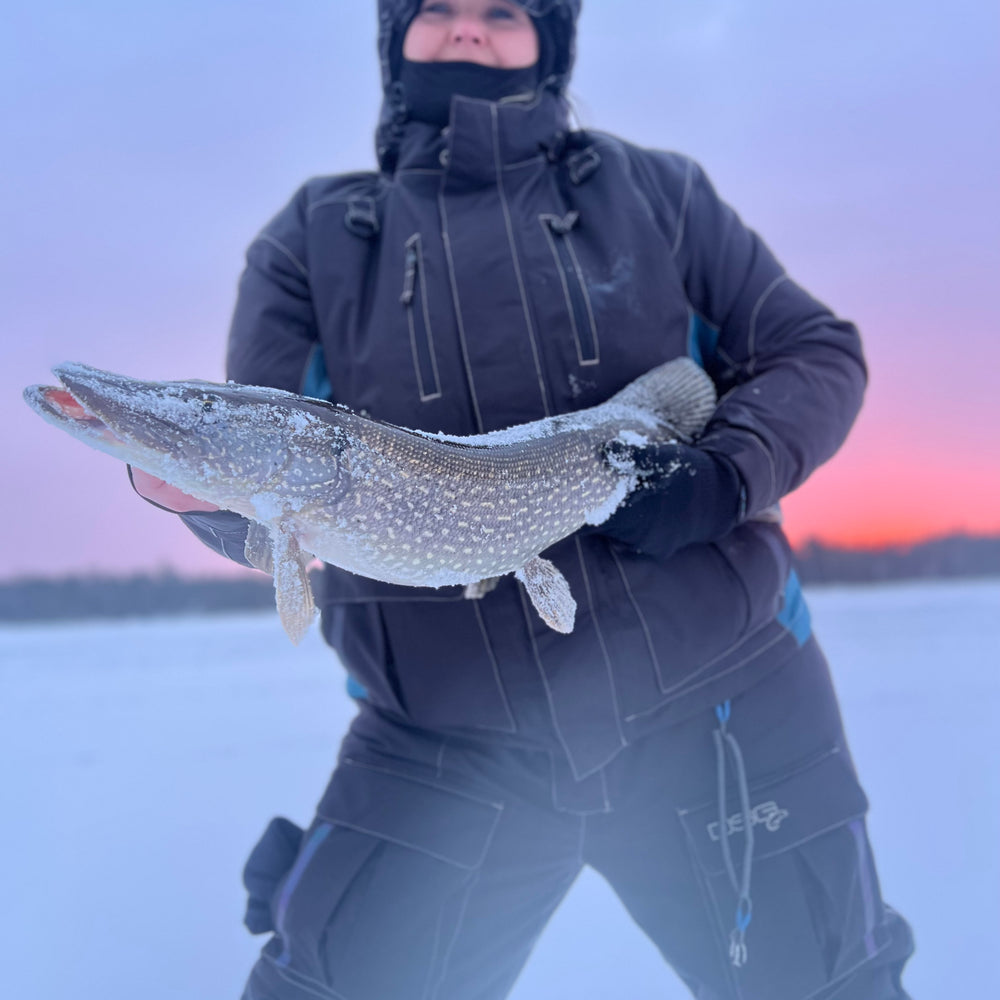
<point x="586" y="300"/>
<point x="604" y="649"/>
<point x="425" y="397"/>
<point x="496" y="670"/>
<point x="517" y="264"/>
<point x="682" y="688"/>
<point x="446" y="240"/>
<point x="642" y="618"/>
<point x="682" y="212"/>
<point x="268" y="238"/>
<point x="543" y="219"/>
<point x="752" y="329"/>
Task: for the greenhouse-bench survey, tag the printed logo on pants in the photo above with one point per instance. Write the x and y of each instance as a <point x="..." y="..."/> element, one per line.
<point x="766" y="814"/>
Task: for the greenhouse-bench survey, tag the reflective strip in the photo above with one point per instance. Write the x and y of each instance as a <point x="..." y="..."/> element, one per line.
<point x="294" y="877"/>
<point x="867" y="888"/>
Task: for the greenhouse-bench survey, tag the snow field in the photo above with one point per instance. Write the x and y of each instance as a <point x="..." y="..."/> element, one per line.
<point x="141" y="760"/>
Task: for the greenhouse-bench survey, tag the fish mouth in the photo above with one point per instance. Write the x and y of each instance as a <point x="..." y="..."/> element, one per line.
<point x="65" y="406"/>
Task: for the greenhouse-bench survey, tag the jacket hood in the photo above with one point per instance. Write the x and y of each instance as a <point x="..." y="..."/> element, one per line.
<point x="394" y="16"/>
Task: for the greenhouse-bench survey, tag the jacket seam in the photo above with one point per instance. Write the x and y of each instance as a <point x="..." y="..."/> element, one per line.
<point x="683" y="688"/>
<point x="457" y="305"/>
<point x="494" y="119"/>
<point x="604" y="647"/>
<point x="682" y="211"/>
<point x="278" y="245"/>
<point x="425" y="397"/>
<point x="496" y="669"/>
<point x="650" y="645"/>
<point x="755" y="312"/>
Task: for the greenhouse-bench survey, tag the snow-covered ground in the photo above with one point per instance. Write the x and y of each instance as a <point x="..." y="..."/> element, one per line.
<point x="141" y="761"/>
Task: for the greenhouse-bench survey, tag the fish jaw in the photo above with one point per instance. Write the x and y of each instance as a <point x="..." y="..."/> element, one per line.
<point x="224" y="444"/>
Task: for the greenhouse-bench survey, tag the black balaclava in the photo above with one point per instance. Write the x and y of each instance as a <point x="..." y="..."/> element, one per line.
<point x="432" y="85"/>
<point x="428" y="87"/>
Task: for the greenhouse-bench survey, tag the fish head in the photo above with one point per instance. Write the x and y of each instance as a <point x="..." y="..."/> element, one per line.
<point x="223" y="443"/>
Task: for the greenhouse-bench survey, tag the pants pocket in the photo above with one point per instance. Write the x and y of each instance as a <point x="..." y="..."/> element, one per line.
<point x="376" y="894"/>
<point x="817" y="912"/>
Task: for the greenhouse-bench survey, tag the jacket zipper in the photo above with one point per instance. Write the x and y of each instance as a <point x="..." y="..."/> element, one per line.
<point x="577" y="301"/>
<point x="418" y="321"/>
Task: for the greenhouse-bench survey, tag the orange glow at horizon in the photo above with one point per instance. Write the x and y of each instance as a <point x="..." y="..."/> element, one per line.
<point x="854" y="504"/>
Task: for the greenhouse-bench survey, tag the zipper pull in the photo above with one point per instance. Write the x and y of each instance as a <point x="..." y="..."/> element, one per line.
<point x="565" y="224"/>
<point x="409" y="274"/>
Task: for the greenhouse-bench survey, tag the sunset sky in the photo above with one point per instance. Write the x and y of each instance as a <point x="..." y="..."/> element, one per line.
<point x="145" y="145"/>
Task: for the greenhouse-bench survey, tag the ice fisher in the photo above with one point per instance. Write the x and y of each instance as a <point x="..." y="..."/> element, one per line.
<point x="501" y="267"/>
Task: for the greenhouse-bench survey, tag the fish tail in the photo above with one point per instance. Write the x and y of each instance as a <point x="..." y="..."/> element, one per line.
<point x="679" y="392"/>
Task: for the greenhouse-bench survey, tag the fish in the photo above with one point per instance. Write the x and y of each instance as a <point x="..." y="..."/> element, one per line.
<point x="317" y="480"/>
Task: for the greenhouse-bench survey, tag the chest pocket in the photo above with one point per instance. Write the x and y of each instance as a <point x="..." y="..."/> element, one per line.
<point x="581" y="313"/>
<point x="414" y="300"/>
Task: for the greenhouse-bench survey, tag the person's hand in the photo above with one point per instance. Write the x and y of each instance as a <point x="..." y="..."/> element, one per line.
<point x="164" y="495"/>
<point x="684" y="495"/>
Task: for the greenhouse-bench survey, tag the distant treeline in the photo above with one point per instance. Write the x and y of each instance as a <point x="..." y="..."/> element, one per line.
<point x="165" y="593"/>
<point x="942" y="558"/>
<point x="141" y="595"/>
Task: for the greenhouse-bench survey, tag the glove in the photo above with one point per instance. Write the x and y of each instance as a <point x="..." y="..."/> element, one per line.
<point x="164" y="496"/>
<point x="684" y="495"/>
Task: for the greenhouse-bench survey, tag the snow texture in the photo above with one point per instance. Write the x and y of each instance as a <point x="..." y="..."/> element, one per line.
<point x="144" y="759"/>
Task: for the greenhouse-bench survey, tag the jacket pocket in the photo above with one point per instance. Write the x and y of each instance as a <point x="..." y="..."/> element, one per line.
<point x="384" y="868"/>
<point x="414" y="299"/>
<point x="816" y="907"/>
<point x="581" y="313"/>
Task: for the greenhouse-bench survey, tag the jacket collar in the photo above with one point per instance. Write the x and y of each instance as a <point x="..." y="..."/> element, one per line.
<point x="483" y="136"/>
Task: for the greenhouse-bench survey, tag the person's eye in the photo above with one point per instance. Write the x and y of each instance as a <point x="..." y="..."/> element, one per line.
<point x="501" y="14"/>
<point x="437" y="7"/>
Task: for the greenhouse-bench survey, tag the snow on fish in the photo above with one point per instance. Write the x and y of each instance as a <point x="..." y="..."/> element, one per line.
<point x="402" y="506"/>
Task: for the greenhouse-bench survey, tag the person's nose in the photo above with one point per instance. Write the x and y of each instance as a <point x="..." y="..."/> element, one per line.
<point x="468" y="31"/>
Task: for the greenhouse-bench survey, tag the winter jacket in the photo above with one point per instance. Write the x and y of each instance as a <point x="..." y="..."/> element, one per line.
<point x="504" y="270"/>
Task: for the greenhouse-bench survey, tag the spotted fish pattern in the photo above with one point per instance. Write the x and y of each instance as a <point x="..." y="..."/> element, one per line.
<point x="407" y="507"/>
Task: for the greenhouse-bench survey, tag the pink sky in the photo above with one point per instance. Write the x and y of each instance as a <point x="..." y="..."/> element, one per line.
<point x="152" y="141"/>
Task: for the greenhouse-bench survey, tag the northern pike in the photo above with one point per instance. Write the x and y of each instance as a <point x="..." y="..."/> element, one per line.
<point x="316" y="479"/>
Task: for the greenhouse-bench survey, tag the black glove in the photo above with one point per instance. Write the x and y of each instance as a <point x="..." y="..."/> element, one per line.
<point x="684" y="495"/>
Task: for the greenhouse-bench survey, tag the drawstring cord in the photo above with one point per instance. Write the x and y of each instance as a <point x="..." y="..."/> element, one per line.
<point x="741" y="886"/>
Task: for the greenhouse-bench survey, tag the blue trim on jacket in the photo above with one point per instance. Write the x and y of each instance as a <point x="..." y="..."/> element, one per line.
<point x="703" y="338"/>
<point x="794" y="614"/>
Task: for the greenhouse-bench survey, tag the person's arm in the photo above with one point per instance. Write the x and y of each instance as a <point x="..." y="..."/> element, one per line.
<point x="792" y="374"/>
<point x="791" y="377"/>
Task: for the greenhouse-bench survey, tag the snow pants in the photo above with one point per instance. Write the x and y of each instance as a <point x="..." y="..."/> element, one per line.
<point x="736" y="840"/>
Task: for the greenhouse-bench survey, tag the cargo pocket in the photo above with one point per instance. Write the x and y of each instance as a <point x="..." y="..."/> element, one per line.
<point x="817" y="912"/>
<point x="376" y="894"/>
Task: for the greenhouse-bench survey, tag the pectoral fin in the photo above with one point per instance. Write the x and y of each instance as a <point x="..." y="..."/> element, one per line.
<point x="549" y="592"/>
<point x="291" y="584"/>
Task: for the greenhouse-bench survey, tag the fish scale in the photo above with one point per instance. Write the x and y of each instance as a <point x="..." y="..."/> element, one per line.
<point x="399" y="505"/>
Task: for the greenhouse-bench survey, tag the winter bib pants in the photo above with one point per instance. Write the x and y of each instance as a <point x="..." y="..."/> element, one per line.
<point x="736" y="840"/>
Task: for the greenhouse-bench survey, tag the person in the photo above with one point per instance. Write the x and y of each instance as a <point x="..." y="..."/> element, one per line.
<point x="685" y="739"/>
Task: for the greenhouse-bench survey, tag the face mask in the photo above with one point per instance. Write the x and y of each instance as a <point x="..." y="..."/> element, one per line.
<point x="428" y="87"/>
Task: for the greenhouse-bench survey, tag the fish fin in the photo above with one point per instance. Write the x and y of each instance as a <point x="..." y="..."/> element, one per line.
<point x="292" y="590"/>
<point x="474" y="591"/>
<point x="258" y="548"/>
<point x="679" y="392"/>
<point x="549" y="592"/>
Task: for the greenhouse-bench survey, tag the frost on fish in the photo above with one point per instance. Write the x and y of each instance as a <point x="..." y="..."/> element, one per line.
<point x="398" y="505"/>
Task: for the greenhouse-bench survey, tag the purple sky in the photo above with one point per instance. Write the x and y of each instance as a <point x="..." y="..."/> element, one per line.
<point x="145" y="144"/>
